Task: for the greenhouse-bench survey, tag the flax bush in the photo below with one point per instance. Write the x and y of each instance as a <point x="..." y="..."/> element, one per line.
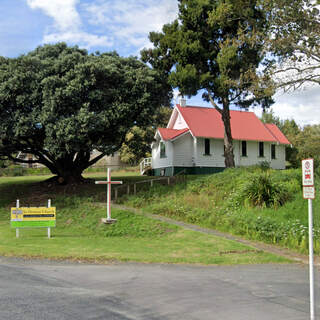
<point x="262" y="191"/>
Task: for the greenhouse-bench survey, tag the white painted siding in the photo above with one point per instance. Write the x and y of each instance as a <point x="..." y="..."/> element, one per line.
<point x="183" y="151"/>
<point x="187" y="151"/>
<point x="179" y="123"/>
<point x="236" y="152"/>
<point x="215" y="159"/>
<point x="158" y="162"/>
<point x="253" y="158"/>
<point x="280" y="161"/>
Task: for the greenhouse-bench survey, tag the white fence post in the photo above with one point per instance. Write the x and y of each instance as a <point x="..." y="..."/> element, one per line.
<point x="49" y="230"/>
<point x="17" y="229"/>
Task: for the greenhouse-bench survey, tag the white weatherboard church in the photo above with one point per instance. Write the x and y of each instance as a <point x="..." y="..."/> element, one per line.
<point x="193" y="142"/>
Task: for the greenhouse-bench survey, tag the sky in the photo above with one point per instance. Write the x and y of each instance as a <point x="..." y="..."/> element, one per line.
<point x="107" y="25"/>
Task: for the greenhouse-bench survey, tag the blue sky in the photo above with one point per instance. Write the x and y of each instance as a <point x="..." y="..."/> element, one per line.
<point x="92" y="24"/>
<point x="107" y="25"/>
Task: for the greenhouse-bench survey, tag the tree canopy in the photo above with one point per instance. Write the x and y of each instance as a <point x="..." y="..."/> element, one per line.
<point x="305" y="141"/>
<point x="59" y="103"/>
<point x="216" y="46"/>
<point x="293" y="37"/>
<point x="138" y="140"/>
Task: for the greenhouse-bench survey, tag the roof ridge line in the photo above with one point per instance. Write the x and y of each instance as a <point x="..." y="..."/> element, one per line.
<point x="213" y="108"/>
<point x="265" y="124"/>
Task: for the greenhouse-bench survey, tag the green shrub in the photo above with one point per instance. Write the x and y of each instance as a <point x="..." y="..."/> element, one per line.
<point x="12" y="171"/>
<point x="262" y="191"/>
<point x="17" y="171"/>
<point x="3" y="164"/>
<point x="264" y="165"/>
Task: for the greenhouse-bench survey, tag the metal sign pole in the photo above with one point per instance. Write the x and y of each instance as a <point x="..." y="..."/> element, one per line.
<point x="311" y="272"/>
<point x="309" y="193"/>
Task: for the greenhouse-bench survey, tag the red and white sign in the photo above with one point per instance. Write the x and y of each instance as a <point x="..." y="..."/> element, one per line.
<point x="308" y="193"/>
<point x="307" y="173"/>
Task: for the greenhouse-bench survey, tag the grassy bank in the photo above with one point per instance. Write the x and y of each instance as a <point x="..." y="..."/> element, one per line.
<point x="233" y="201"/>
<point x="79" y="235"/>
<point x="19" y="171"/>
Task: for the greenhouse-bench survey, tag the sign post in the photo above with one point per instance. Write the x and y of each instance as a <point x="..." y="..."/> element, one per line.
<point x="33" y="217"/>
<point x="309" y="193"/>
<point x="108" y="183"/>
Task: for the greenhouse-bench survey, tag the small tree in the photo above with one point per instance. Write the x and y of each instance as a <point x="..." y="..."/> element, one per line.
<point x="59" y="103"/>
<point x="291" y="131"/>
<point x="215" y="46"/>
<point x="137" y="144"/>
<point x="308" y="144"/>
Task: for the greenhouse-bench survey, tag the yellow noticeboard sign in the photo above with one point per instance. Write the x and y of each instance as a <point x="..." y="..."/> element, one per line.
<point x="24" y="217"/>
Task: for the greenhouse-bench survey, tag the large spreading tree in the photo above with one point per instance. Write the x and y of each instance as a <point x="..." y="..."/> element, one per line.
<point x="60" y="103"/>
<point x="217" y="46"/>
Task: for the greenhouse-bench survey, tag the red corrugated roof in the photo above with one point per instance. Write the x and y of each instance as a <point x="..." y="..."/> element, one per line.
<point x="207" y="123"/>
<point x="277" y="133"/>
<point x="168" y="134"/>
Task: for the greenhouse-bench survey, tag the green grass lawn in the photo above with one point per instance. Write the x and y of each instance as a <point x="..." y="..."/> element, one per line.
<point x="220" y="201"/>
<point x="80" y="235"/>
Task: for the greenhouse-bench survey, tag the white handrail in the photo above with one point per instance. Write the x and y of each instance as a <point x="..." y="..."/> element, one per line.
<point x="146" y="162"/>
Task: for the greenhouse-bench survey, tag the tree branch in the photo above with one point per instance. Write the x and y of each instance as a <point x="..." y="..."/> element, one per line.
<point x="21" y="160"/>
<point x="96" y="159"/>
<point x="213" y="103"/>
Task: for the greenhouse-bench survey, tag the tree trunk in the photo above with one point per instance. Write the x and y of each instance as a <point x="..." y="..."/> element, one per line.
<point x="68" y="171"/>
<point x="68" y="177"/>
<point x="228" y="141"/>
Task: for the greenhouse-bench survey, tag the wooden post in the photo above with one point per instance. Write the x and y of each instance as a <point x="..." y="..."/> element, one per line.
<point x="17" y="229"/>
<point x="115" y="194"/>
<point x="135" y="189"/>
<point x="151" y="183"/>
<point x="128" y="189"/>
<point x="168" y="180"/>
<point x="49" y="230"/>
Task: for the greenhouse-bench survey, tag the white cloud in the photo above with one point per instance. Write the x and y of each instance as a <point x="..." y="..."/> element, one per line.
<point x="132" y="20"/>
<point x="63" y="12"/>
<point x="301" y="106"/>
<point x="87" y="40"/>
<point x="126" y="22"/>
<point x="67" y="23"/>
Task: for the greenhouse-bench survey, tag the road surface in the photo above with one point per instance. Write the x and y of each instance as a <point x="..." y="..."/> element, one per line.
<point x="61" y="290"/>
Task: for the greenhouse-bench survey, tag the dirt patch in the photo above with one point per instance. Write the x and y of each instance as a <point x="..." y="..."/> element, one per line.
<point x="239" y="252"/>
<point x="69" y="221"/>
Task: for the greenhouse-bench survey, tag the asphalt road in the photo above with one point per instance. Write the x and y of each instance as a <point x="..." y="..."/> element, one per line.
<point x="52" y="290"/>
